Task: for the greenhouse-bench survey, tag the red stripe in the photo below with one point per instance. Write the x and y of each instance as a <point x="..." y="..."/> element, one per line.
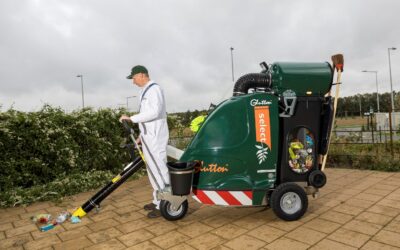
<point x="203" y="197"/>
<point x="230" y="199"/>
<point x="249" y="194"/>
<point x="339" y="66"/>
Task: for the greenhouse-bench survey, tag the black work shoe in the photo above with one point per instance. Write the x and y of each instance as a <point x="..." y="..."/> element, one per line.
<point x="149" y="207"/>
<point x="154" y="214"/>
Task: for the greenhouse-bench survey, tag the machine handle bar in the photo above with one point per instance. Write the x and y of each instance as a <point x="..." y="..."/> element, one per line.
<point x="128" y="129"/>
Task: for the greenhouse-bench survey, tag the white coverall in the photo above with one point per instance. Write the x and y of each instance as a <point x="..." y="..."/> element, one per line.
<point x="152" y="119"/>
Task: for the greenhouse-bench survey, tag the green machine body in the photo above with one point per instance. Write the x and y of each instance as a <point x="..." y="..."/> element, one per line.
<point x="266" y="138"/>
<point x="238" y="148"/>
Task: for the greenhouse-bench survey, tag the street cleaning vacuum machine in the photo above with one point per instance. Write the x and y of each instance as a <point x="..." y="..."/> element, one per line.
<point x="265" y="146"/>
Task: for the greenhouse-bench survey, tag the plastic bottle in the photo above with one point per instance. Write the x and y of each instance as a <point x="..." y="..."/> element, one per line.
<point x="47" y="227"/>
<point x="63" y="216"/>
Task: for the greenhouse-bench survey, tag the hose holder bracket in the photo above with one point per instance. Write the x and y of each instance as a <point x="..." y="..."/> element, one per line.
<point x="289" y="102"/>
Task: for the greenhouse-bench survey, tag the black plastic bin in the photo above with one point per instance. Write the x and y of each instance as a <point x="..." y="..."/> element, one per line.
<point x="181" y="176"/>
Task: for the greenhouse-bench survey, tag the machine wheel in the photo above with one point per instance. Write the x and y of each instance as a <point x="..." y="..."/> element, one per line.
<point x="289" y="201"/>
<point x="268" y="197"/>
<point x="169" y="214"/>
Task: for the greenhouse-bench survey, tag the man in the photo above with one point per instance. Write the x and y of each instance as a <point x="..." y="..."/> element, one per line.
<point x="152" y="120"/>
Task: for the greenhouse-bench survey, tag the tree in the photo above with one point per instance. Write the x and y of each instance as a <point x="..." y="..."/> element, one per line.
<point x="350" y="105"/>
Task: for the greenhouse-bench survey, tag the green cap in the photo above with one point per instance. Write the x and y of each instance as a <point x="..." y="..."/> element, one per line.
<point x="136" y="70"/>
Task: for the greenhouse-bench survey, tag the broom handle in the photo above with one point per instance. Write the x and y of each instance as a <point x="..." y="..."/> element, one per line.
<point x="339" y="74"/>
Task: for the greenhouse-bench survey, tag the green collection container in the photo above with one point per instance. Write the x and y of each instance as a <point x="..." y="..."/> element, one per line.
<point x="305" y="79"/>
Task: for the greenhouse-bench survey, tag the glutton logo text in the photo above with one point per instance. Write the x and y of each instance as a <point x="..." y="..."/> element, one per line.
<point x="213" y="168"/>
<point x="256" y="102"/>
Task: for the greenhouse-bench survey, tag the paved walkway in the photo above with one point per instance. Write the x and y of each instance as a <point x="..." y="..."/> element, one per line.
<point x="356" y="209"/>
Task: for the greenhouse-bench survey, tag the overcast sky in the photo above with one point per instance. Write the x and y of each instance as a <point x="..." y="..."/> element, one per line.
<point x="185" y="45"/>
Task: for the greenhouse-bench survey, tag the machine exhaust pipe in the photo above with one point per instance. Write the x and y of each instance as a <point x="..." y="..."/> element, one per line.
<point x="252" y="80"/>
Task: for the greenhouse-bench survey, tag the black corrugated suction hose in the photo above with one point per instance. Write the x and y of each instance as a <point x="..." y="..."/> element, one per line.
<point x="252" y="80"/>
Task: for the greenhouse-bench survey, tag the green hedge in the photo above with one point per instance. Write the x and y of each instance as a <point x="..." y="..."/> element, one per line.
<point x="38" y="150"/>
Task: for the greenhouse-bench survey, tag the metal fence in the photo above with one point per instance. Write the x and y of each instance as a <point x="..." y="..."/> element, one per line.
<point x="371" y="143"/>
<point x="352" y="136"/>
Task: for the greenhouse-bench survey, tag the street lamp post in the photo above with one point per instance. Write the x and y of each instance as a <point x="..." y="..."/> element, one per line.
<point x="233" y="77"/>
<point x="83" y="99"/>
<point x="127" y="98"/>
<point x="390" y="73"/>
<point x="377" y="90"/>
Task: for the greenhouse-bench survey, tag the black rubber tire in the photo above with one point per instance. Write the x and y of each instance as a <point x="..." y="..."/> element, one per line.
<point x="166" y="213"/>
<point x="317" y="179"/>
<point x="277" y="195"/>
<point x="268" y="197"/>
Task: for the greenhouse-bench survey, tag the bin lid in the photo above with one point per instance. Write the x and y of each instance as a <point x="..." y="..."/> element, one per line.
<point x="174" y="166"/>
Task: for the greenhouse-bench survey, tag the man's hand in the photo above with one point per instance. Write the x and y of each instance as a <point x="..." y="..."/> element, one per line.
<point x="124" y="117"/>
<point x="138" y="141"/>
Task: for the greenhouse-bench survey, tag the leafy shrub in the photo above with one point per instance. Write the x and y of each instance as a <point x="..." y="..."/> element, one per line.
<point x="39" y="149"/>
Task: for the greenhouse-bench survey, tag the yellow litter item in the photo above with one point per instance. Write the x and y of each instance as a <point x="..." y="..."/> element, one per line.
<point x="197" y="122"/>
